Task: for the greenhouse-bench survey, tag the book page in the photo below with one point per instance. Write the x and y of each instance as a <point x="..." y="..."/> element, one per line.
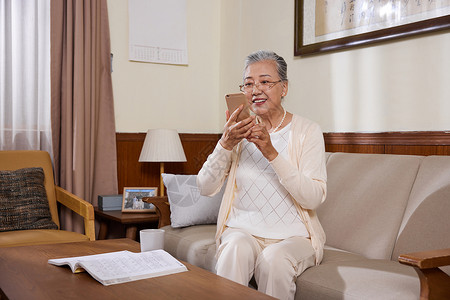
<point x="125" y="266"/>
<point x="73" y="262"/>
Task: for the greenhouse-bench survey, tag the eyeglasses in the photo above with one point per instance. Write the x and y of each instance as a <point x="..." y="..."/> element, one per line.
<point x="262" y="86"/>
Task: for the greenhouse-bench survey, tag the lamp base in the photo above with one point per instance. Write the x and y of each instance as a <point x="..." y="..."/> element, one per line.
<point x="161" y="182"/>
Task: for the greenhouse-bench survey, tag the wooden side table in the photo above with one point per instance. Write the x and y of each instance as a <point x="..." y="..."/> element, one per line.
<point x="130" y="221"/>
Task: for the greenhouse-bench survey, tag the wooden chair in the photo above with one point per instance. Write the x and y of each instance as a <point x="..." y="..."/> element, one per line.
<point x="14" y="160"/>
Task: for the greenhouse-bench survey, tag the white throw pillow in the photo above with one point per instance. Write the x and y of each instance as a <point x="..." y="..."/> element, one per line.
<point x="187" y="206"/>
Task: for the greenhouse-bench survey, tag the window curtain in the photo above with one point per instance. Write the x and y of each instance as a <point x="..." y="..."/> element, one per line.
<point x="25" y="75"/>
<point x="82" y="106"/>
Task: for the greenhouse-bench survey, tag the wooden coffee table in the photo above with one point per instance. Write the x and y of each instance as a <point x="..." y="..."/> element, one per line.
<point x="25" y="274"/>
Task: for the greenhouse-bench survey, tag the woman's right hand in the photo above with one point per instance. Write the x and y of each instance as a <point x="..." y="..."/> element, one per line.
<point x="234" y="131"/>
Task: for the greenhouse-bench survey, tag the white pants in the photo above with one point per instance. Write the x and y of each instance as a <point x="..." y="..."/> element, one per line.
<point x="274" y="263"/>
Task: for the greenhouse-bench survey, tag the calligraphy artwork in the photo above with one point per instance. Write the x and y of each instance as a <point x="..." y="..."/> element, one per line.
<point x="338" y="23"/>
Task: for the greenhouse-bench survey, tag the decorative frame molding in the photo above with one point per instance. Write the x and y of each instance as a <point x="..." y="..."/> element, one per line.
<point x="305" y="22"/>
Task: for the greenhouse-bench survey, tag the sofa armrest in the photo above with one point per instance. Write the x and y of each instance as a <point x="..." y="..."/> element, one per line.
<point x="79" y="206"/>
<point x="434" y="283"/>
<point x="427" y="259"/>
<point x="162" y="209"/>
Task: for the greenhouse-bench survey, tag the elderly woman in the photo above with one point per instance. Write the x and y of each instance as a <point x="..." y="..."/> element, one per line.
<point x="275" y="164"/>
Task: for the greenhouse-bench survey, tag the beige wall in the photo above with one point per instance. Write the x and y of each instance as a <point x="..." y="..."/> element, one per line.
<point x="395" y="86"/>
<point x="148" y="95"/>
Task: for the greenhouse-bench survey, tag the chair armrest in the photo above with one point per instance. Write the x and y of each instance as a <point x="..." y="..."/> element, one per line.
<point x="162" y="209"/>
<point x="434" y="283"/>
<point x="79" y="206"/>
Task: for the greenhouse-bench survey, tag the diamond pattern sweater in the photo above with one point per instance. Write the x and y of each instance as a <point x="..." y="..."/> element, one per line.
<point x="262" y="206"/>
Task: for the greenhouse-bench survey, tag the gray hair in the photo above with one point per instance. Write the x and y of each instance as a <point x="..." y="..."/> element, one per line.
<point x="262" y="55"/>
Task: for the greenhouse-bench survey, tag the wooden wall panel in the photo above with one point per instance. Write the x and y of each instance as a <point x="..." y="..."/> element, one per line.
<point x="132" y="173"/>
<point x="412" y="138"/>
<point x="352" y="148"/>
<point x="412" y="143"/>
<point x="418" y="149"/>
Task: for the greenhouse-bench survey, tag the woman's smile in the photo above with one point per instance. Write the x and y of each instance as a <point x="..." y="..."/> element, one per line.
<point x="259" y="100"/>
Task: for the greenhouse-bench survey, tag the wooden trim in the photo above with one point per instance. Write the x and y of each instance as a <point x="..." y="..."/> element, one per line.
<point x="185" y="137"/>
<point x="203" y="137"/>
<point x="130" y="136"/>
<point x="422" y="138"/>
<point x="131" y="172"/>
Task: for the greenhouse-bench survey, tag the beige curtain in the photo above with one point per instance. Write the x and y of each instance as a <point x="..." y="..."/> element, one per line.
<point x="83" y="128"/>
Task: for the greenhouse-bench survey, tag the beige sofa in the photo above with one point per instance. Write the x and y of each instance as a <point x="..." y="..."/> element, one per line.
<point x="378" y="207"/>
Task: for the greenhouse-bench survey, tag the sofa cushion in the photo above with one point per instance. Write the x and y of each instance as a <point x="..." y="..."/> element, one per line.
<point x="344" y="275"/>
<point x="23" y="200"/>
<point x="366" y="198"/>
<point x="341" y="275"/>
<point x="428" y="210"/>
<point x="187" y="206"/>
<point x="195" y="245"/>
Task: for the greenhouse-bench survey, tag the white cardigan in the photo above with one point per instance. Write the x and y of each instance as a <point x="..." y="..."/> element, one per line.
<point x="303" y="175"/>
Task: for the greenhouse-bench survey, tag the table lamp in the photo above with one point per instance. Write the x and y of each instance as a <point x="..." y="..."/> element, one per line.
<point x="162" y="145"/>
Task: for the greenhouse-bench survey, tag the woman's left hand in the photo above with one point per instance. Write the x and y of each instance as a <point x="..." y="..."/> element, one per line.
<point x="261" y="138"/>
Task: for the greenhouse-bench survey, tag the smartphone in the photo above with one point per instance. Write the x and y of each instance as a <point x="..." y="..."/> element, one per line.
<point x="234" y="101"/>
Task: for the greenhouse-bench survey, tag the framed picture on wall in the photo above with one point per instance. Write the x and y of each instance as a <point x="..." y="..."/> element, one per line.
<point x="132" y="199"/>
<point x="323" y="25"/>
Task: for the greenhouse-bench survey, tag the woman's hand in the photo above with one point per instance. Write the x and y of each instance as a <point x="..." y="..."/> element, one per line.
<point x="234" y="131"/>
<point x="261" y="138"/>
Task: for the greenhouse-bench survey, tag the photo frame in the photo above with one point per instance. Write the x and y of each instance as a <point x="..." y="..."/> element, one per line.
<point x="132" y="199"/>
<point x="322" y="26"/>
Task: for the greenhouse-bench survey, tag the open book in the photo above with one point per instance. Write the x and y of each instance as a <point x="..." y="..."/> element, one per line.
<point x="123" y="266"/>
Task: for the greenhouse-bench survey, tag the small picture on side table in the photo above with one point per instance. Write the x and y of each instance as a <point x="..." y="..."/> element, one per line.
<point x="132" y="199"/>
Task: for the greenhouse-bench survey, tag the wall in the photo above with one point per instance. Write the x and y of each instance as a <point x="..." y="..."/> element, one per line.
<point x="395" y="86"/>
<point x="148" y="95"/>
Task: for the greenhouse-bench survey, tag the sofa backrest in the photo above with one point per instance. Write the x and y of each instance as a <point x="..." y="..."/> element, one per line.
<point x="366" y="199"/>
<point x="426" y="222"/>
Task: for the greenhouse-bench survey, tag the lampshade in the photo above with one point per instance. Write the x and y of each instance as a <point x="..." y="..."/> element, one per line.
<point x="162" y="145"/>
